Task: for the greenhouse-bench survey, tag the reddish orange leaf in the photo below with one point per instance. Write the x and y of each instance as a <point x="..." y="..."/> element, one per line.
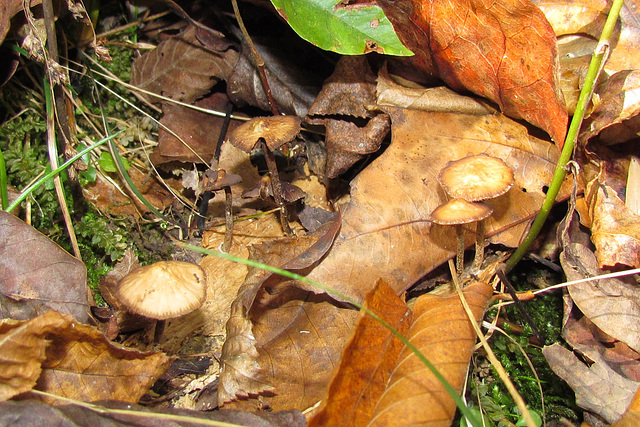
<point x="367" y="361"/>
<point x="504" y="51"/>
<point x="444" y="335"/>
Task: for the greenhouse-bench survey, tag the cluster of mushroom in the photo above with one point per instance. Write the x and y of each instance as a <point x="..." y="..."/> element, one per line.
<point x="468" y="181"/>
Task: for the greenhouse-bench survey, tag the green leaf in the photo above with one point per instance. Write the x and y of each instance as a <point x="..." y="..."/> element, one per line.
<point x="347" y="30"/>
<point x="107" y="163"/>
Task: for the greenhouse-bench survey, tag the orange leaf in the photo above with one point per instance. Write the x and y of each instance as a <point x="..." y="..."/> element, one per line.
<point x="504" y="51"/>
<point x="444" y="335"/>
<point x="367" y="361"/>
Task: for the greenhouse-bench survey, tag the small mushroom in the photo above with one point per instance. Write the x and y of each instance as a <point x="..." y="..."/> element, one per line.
<point x="474" y="178"/>
<point x="271" y="133"/>
<point x="458" y="212"/>
<point x="219" y="179"/>
<point x="164" y="290"/>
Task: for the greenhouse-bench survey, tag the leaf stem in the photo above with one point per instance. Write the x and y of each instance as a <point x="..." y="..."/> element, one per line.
<point x="598" y="59"/>
<point x="3" y="183"/>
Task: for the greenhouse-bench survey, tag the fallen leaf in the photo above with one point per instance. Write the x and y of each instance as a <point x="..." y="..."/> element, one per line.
<point x="72" y="360"/>
<point x="443" y="333"/>
<point x="598" y="388"/>
<point x="385" y="233"/>
<point x="367" y="361"/>
<point x="37" y="276"/>
<point x="352" y="130"/>
<point x="197" y="129"/>
<point x="505" y="52"/>
<point x="182" y="68"/>
<point x="615" y="229"/>
<point x="117" y="414"/>
<point x="612" y="304"/>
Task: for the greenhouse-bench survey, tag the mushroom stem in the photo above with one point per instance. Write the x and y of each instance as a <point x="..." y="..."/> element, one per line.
<point x="460" y="250"/>
<point x="277" y="188"/>
<point x="228" y="220"/>
<point x="159" y="332"/>
<point x="479" y="256"/>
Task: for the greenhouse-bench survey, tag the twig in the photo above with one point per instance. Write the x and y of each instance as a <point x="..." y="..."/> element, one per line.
<point x="258" y="62"/>
<point x="598" y="59"/>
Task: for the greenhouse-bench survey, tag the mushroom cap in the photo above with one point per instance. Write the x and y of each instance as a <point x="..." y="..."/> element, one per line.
<point x="163" y="290"/>
<point x="459" y="211"/>
<point x="275" y="130"/>
<point x="478" y="177"/>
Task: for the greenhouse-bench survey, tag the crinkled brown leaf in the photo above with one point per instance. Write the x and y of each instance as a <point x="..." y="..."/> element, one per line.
<point x="30" y="413"/>
<point x="598" y="388"/>
<point x="199" y="130"/>
<point x="265" y="314"/>
<point x="182" y="68"/>
<point x="72" y="360"/>
<point x="367" y="361"/>
<point x="615" y="116"/>
<point x="615" y="229"/>
<point x="586" y="18"/>
<point x="503" y="51"/>
<point x="385" y="233"/>
<point x="612" y="304"/>
<point x="443" y="333"/>
<point x="352" y="131"/>
<point x="37" y="276"/>
<point x="293" y="88"/>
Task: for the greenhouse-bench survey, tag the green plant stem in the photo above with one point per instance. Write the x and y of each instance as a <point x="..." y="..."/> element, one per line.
<point x="595" y="67"/>
<point x="450" y="390"/>
<point x="3" y="183"/>
<point x="23" y="195"/>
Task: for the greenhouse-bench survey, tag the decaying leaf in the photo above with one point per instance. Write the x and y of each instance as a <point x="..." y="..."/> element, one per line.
<point x="615" y="229"/>
<point x="37" y="276"/>
<point x="505" y="52"/>
<point x="30" y="412"/>
<point x="352" y="131"/>
<point x="367" y="361"/>
<point x="385" y="233"/>
<point x="265" y="309"/>
<point x="197" y="129"/>
<point x="72" y="360"/>
<point x="443" y="333"/>
<point x="182" y="68"/>
<point x="598" y="388"/>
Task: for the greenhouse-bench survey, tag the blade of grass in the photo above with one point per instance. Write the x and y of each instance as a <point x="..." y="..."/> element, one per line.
<point x="25" y="193"/>
<point x="598" y="59"/>
<point x="450" y="390"/>
<point x="3" y="183"/>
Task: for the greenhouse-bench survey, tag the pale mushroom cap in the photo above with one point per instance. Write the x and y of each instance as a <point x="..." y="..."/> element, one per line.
<point x="163" y="290"/>
<point x="478" y="177"/>
<point x="459" y="211"/>
<point x="276" y="131"/>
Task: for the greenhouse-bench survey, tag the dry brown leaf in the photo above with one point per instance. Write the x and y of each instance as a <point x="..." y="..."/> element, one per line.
<point x="31" y="413"/>
<point x="385" y="233"/>
<point x="272" y="324"/>
<point x="106" y="198"/>
<point x="37" y="276"/>
<point x="615" y="116"/>
<point x="612" y="304"/>
<point x="367" y="361"/>
<point x="598" y="388"/>
<point x="505" y="52"/>
<point x="72" y="360"/>
<point x="615" y="229"/>
<point x="586" y="18"/>
<point x="443" y="333"/>
<point x="340" y="107"/>
<point x="182" y="68"/>
<point x="197" y="129"/>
